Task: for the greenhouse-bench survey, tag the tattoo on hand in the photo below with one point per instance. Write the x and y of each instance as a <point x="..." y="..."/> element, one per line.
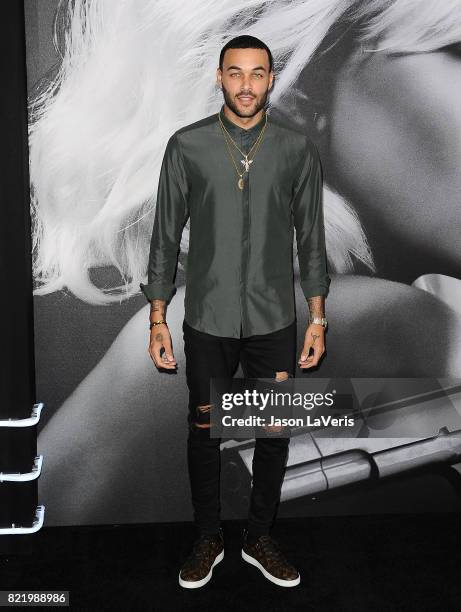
<point x="315" y="336"/>
<point x="159" y="337"/>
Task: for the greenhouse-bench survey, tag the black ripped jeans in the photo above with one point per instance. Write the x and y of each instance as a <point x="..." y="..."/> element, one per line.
<point x="208" y="356"/>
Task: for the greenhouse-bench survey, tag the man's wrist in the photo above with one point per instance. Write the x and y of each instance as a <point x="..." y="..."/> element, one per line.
<point x="153" y="324"/>
<point x="316" y="306"/>
<point x="318" y="321"/>
<point x="157" y="312"/>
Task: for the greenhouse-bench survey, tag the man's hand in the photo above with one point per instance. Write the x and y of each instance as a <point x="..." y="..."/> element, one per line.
<point x="160" y="338"/>
<point x="315" y="339"/>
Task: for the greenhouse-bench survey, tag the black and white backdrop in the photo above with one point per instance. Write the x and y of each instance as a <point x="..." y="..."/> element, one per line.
<point x="376" y="84"/>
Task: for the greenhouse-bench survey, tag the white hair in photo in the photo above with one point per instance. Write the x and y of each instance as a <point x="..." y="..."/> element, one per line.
<point x="131" y="73"/>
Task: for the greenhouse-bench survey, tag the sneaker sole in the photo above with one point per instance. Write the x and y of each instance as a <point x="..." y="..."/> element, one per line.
<point x="274" y="579"/>
<point x="196" y="584"/>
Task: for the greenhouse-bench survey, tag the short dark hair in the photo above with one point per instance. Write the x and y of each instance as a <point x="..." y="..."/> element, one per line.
<point x="245" y="42"/>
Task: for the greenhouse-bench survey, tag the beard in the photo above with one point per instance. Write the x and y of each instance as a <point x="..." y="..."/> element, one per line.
<point x="252" y="110"/>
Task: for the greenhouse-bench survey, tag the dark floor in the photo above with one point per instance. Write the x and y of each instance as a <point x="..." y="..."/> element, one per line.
<point x="389" y="562"/>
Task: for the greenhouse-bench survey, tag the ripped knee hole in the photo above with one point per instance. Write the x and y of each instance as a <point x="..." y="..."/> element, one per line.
<point x="273" y="428"/>
<point x="204" y="408"/>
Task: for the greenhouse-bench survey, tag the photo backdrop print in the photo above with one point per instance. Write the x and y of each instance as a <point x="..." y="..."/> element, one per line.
<point x="375" y="85"/>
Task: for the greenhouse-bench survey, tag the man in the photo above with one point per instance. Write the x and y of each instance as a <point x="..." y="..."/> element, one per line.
<point x="246" y="181"/>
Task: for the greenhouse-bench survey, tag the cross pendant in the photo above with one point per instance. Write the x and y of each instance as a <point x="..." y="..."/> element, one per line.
<point x="246" y="162"/>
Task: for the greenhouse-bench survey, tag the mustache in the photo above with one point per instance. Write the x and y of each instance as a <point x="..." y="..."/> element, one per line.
<point x="245" y="95"/>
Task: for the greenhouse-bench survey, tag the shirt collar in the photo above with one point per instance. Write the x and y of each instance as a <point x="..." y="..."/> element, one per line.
<point x="235" y="129"/>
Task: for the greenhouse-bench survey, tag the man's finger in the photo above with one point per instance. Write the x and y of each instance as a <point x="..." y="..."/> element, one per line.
<point x="157" y="359"/>
<point x="166" y="363"/>
<point x="305" y="353"/>
<point x="155" y="354"/>
<point x="313" y="359"/>
<point x="168" y="351"/>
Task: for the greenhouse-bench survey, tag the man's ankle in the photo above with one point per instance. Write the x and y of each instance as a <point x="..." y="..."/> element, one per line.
<point x="252" y="537"/>
<point x="209" y="532"/>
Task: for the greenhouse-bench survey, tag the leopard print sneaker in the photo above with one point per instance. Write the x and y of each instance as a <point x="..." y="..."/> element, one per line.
<point x="207" y="551"/>
<point x="265" y="554"/>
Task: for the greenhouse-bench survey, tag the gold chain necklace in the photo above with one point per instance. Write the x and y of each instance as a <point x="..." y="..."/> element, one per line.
<point x="246" y="162"/>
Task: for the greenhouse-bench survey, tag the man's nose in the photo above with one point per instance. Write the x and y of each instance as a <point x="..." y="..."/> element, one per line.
<point x="246" y="84"/>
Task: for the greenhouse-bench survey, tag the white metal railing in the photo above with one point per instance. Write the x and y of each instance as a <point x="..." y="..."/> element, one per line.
<point x="25" y="476"/>
<point x="35" y="472"/>
<point x="28" y="422"/>
<point x="37" y="524"/>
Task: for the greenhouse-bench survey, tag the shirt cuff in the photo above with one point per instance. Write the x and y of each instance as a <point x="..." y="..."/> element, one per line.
<point x="314" y="289"/>
<point x="157" y="291"/>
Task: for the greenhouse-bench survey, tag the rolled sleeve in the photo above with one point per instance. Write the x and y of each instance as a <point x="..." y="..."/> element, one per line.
<point x="309" y="224"/>
<point x="171" y="214"/>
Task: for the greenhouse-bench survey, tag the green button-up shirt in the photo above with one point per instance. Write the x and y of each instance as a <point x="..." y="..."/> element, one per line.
<point x="239" y="272"/>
